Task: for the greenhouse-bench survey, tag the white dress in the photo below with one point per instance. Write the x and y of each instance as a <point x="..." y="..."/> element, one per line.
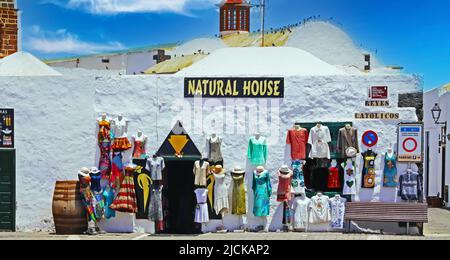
<point x="201" y="211"/>
<point x="319" y="212"/>
<point x="300" y="207"/>
<point x="337" y="212"/>
<point x="120" y="127"/>
<point x="221" y="201"/>
<point x="319" y="139"/>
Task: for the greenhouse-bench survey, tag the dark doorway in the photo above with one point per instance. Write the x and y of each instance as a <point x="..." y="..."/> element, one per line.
<point x="179" y="196"/>
<point x="8" y="190"/>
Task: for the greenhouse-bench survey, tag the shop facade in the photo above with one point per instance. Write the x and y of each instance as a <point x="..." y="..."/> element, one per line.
<point x="56" y="137"/>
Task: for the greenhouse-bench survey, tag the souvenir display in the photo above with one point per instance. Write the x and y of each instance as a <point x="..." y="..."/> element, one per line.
<point x="221" y="201"/>
<point x="337" y="205"/>
<point x="410" y="186"/>
<point x="298" y="179"/>
<point x="257" y="150"/>
<point x="350" y="184"/>
<point x="201" y="211"/>
<point x="214" y="150"/>
<point x="319" y="137"/>
<point x="125" y="200"/>
<point x="369" y="171"/>
<point x="140" y="142"/>
<point x="201" y="169"/>
<point x="300" y="208"/>
<point x="297" y="138"/>
<point x="262" y="190"/>
<point x="390" y="170"/>
<point x="319" y="212"/>
<point x="104" y="143"/>
<point x="155" y="166"/>
<point x="239" y="201"/>
<point x="347" y="144"/>
<point x="141" y="188"/>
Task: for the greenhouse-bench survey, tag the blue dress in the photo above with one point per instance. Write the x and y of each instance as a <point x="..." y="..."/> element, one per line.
<point x="298" y="179"/>
<point x="262" y="189"/>
<point x="108" y="194"/>
<point x="390" y="171"/>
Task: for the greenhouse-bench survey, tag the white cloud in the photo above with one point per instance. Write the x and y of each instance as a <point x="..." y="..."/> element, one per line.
<point x="110" y="7"/>
<point x="62" y="41"/>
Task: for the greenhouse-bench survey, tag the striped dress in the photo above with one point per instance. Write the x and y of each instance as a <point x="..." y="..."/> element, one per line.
<point x="126" y="198"/>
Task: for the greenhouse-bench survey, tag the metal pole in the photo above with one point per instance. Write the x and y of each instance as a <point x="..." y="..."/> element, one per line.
<point x="263" y="9"/>
<point x="443" y="149"/>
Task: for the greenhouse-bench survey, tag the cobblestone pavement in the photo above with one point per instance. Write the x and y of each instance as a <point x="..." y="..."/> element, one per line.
<point x="437" y="229"/>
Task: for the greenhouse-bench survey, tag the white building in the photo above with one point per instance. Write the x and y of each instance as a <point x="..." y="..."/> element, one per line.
<point x="437" y="165"/>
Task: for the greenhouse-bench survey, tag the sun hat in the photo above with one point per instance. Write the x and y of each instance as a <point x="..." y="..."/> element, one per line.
<point x="94" y="170"/>
<point x="84" y="171"/>
<point x="218" y="169"/>
<point x="238" y="170"/>
<point x="351" y="152"/>
<point x="285" y="169"/>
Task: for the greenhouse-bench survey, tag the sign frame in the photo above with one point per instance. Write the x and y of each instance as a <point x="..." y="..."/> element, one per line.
<point x="234" y="87"/>
<point x="379" y="92"/>
<point x="410" y="134"/>
<point x="7" y="130"/>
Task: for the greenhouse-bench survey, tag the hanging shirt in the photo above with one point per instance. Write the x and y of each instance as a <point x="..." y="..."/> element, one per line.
<point x="214" y="148"/>
<point x="319" y="139"/>
<point x="410" y="186"/>
<point x="300" y="208"/>
<point x="319" y="210"/>
<point x="155" y="166"/>
<point x="201" y="172"/>
<point x="349" y="180"/>
<point x="120" y="127"/>
<point x="337" y="212"/>
<point x="298" y="179"/>
<point x="257" y="151"/>
<point x="298" y="140"/>
<point x="334" y="181"/>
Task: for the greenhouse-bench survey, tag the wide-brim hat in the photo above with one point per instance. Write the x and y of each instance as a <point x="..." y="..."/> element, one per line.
<point x="238" y="170"/>
<point x="351" y="152"/>
<point x="84" y="171"/>
<point x="284" y="169"/>
<point x="94" y="170"/>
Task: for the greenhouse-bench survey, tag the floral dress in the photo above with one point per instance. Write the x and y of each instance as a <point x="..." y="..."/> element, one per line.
<point x="390" y="171"/>
<point x="262" y="189"/>
<point x="104" y="143"/>
<point x="337" y="212"/>
<point x="298" y="179"/>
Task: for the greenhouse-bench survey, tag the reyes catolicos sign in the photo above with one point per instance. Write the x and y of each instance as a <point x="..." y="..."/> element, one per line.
<point x="234" y="87"/>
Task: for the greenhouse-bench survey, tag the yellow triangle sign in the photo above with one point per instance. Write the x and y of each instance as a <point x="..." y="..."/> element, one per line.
<point x="178" y="142"/>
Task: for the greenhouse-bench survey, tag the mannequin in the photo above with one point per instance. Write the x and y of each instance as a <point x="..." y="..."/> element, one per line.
<point x="239" y="200"/>
<point x="334" y="163"/>
<point x="140" y="143"/>
<point x="284" y="193"/>
<point x="262" y="190"/>
<point x="104" y="144"/>
<point x="214" y="150"/>
<point x="257" y="135"/>
<point x="221" y="200"/>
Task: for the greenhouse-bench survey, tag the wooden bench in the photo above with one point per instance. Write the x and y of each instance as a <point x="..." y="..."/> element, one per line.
<point x="387" y="212"/>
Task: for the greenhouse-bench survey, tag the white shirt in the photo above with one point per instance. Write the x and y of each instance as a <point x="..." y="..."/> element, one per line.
<point x="319" y="210"/>
<point x="319" y="139"/>
<point x="120" y="127"/>
<point x="300" y="207"/>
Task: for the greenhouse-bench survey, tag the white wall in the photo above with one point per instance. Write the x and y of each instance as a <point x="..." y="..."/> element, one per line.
<point x="435" y="172"/>
<point x="55" y="122"/>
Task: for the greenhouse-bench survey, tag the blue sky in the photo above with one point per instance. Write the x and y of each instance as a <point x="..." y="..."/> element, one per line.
<point x="411" y="33"/>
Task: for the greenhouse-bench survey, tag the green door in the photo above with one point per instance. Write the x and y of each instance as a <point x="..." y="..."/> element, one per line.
<point x="7" y="190"/>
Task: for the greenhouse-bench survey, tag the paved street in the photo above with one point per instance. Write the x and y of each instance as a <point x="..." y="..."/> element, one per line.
<point x="437" y="229"/>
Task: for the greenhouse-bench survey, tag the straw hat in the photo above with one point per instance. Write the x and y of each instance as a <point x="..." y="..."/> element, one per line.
<point x="238" y="170"/>
<point x="351" y="152"/>
<point x="84" y="171"/>
<point x="285" y="169"/>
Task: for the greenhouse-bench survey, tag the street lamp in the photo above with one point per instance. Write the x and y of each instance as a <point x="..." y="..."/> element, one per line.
<point x="436" y="113"/>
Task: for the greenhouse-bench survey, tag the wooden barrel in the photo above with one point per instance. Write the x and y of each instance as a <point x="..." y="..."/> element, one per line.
<point x="69" y="214"/>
